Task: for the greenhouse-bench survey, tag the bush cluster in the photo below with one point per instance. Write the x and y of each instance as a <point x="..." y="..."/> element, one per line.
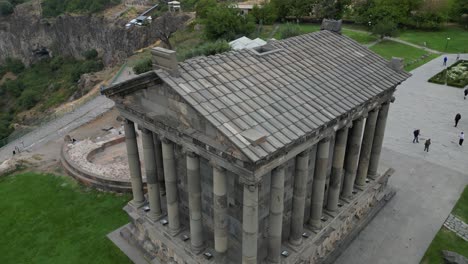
<point x="290" y="30"/>
<point x="143" y="66"/>
<point x="48" y="82"/>
<point x="205" y="49"/>
<point x="456" y="76"/>
<point x="53" y="8"/>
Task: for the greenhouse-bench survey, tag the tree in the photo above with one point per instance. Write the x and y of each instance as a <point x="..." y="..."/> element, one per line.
<point x="167" y="25"/>
<point x="6" y="8"/>
<point x="224" y="22"/>
<point x="265" y="14"/>
<point x="202" y="7"/>
<point x="459" y="8"/>
<point x="385" y="28"/>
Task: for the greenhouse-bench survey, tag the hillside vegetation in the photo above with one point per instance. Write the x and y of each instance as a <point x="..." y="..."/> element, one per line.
<point x="41" y="86"/>
<point x="53" y="8"/>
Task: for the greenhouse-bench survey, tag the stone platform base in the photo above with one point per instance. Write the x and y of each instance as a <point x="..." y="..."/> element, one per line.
<point x="153" y="243"/>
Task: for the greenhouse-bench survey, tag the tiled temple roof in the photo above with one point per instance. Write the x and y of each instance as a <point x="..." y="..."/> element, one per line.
<point x="285" y="91"/>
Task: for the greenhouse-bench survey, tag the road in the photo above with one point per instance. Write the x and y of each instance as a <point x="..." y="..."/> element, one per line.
<point x="60" y="127"/>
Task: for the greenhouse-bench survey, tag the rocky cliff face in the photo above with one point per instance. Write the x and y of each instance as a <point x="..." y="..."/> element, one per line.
<point x="27" y="36"/>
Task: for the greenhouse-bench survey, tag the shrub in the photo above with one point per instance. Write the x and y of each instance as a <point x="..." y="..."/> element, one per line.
<point x="85" y="67"/>
<point x="142" y="66"/>
<point x="13" y="88"/>
<point x="56" y="63"/>
<point x="289" y="30"/>
<point x="224" y="22"/>
<point x="385" y="28"/>
<point x="28" y="99"/>
<point x="90" y="54"/>
<point x="206" y="49"/>
<point x="14" y="65"/>
<point x="6" y="8"/>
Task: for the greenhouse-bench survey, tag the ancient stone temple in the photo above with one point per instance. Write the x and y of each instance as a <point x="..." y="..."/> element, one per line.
<point x="258" y="155"/>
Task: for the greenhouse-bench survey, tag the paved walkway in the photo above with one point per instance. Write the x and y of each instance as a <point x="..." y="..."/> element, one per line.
<point x="428" y="184"/>
<point x="61" y="126"/>
<point x="413" y="45"/>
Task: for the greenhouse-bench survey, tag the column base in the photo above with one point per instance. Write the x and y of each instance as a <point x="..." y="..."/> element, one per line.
<point x="295" y="242"/>
<point x="373" y="176"/>
<point x="197" y="250"/>
<point x="315" y="225"/>
<point x="174" y="232"/>
<point x="136" y="205"/>
<point x="154" y="218"/>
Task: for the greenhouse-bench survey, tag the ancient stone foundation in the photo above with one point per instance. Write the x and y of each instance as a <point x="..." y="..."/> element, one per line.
<point x="154" y="241"/>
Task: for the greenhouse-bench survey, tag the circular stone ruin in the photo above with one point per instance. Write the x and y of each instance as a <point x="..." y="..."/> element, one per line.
<point x="100" y="163"/>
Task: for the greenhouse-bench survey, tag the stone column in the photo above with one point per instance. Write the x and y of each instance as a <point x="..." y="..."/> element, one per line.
<point x="299" y="198"/>
<point x="250" y="224"/>
<point x="220" y="210"/>
<point x="378" y="140"/>
<point x="337" y="168"/>
<point x="351" y="157"/>
<point x="318" y="184"/>
<point x="159" y="162"/>
<point x="171" y="186"/>
<point x="195" y="210"/>
<point x="134" y="164"/>
<point x="366" y="147"/>
<point x="151" y="177"/>
<point x="276" y="215"/>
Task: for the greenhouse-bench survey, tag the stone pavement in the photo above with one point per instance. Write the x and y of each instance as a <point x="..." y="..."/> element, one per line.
<point x="457" y="226"/>
<point x="428" y="184"/>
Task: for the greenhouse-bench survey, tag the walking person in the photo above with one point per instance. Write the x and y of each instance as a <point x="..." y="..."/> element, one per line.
<point x="465" y="92"/>
<point x="416" y="135"/>
<point x="445" y="61"/>
<point x="427" y="144"/>
<point x="457" y="118"/>
<point x="462" y="138"/>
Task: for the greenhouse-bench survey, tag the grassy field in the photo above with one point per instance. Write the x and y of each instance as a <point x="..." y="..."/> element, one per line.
<point x="461" y="208"/>
<point x="437" y="40"/>
<point x="389" y="49"/>
<point x="446" y="239"/>
<point x="51" y="219"/>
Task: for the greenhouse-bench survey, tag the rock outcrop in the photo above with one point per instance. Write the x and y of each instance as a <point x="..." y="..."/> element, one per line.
<point x="28" y="36"/>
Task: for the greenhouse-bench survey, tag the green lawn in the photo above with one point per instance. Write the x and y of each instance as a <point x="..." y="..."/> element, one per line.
<point x="437" y="40"/>
<point x="51" y="219"/>
<point x="389" y="49"/>
<point x="361" y="37"/>
<point x="446" y="239"/>
<point x="461" y="208"/>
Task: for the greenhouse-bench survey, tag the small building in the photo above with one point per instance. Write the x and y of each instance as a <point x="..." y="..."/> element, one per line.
<point x="268" y="154"/>
<point x="246" y="43"/>
<point x="174" y="6"/>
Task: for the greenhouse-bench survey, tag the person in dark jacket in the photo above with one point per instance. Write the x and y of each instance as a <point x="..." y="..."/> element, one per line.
<point x="466" y="93"/>
<point x="457" y="118"/>
<point x="427" y="144"/>
<point x="416" y="135"/>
